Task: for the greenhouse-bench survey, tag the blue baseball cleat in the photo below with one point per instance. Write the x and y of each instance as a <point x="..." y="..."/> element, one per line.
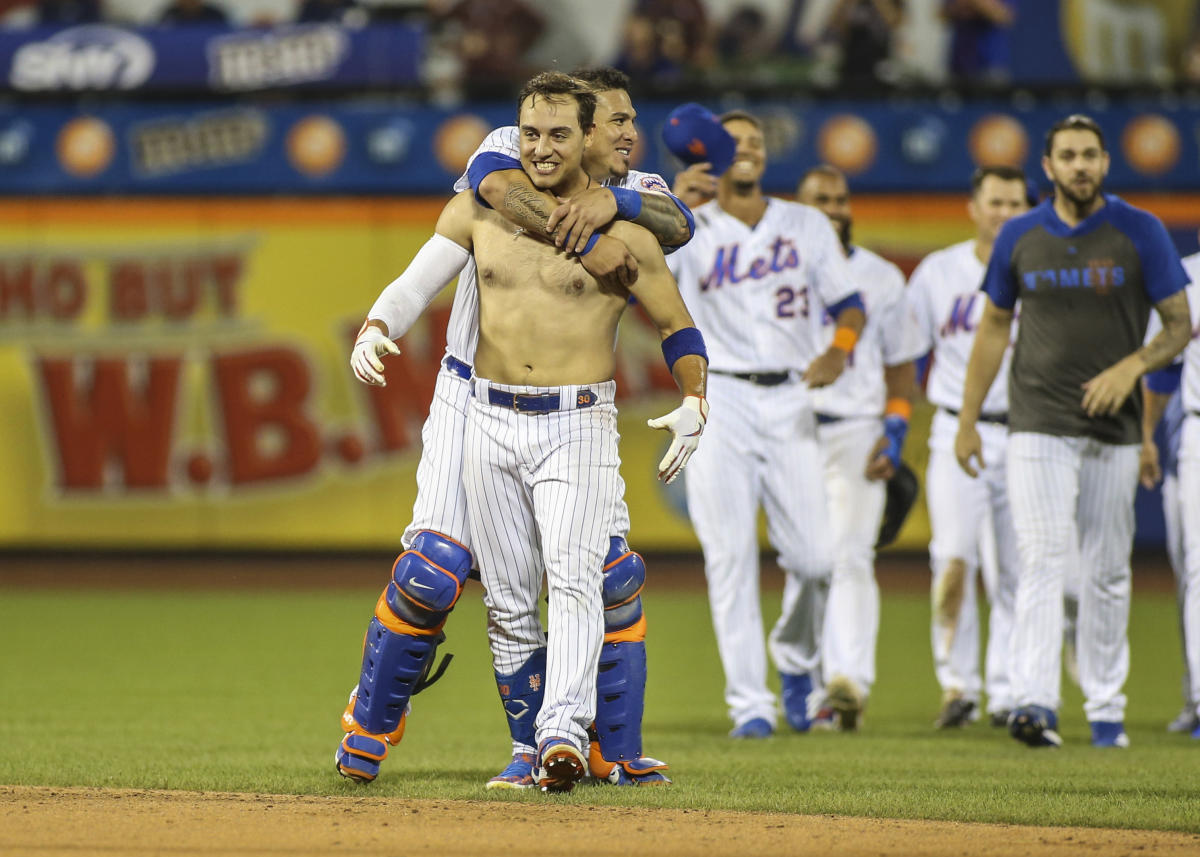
<point x="1035" y="726"/>
<point x="1196" y="732"/>
<point x="518" y="774"/>
<point x="796" y="690"/>
<point x="1108" y="734"/>
<point x="758" y="727"/>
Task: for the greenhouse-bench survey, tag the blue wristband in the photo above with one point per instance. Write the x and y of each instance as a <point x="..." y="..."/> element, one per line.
<point x="629" y="202"/>
<point x="686" y="340"/>
<point x="591" y="242"/>
<point x="895" y="429"/>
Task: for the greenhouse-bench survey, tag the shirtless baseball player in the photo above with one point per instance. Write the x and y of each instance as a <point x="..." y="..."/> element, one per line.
<point x="944" y="293"/>
<point x="862" y="419"/>
<point x="758" y="276"/>
<point x="540" y="461"/>
<point x="440" y="509"/>
<point x="1088" y="269"/>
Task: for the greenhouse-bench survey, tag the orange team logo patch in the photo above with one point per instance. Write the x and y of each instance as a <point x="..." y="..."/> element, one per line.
<point x="696" y="147"/>
<point x="505" y="690"/>
<point x="535" y="682"/>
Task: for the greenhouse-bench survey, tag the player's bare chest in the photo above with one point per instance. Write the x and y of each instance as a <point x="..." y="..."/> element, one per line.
<point x="507" y="259"/>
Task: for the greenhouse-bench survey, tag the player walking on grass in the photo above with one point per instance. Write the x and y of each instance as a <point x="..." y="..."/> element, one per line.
<point x="944" y="293"/>
<point x="862" y="419"/>
<point x="395" y="655"/>
<point x="1087" y="268"/>
<point x="757" y="276"/>
<point x="1173" y="396"/>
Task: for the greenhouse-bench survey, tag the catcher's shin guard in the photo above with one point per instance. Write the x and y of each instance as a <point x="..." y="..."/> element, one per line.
<point x="621" y="680"/>
<point x="399" y="649"/>
<point x="521" y="695"/>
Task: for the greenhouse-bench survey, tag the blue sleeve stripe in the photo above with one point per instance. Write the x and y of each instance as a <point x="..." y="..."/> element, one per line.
<point x="485" y="164"/>
<point x="854" y="301"/>
<point x="687" y="213"/>
<point x="1165" y="381"/>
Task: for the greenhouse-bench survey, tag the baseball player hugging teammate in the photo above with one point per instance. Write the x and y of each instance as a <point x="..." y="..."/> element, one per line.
<point x="862" y="419"/>
<point x="968" y="517"/>
<point x="404" y="633"/>
<point x="1088" y="269"/>
<point x="758" y="277"/>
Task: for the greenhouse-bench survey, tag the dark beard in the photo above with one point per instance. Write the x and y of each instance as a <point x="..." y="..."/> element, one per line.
<point x="844" y="229"/>
<point x="1083" y="205"/>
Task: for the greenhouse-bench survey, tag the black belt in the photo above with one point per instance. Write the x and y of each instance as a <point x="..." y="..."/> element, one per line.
<point x="999" y="419"/>
<point x="826" y="419"/>
<point x="456" y="366"/>
<point x="762" y="379"/>
<point x="538" y="403"/>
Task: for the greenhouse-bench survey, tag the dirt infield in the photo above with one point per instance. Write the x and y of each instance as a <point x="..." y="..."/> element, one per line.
<point x="52" y="822"/>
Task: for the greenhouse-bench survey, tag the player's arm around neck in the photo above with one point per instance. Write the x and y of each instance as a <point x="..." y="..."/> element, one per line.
<point x="987" y="353"/>
<point x="1105" y="393"/>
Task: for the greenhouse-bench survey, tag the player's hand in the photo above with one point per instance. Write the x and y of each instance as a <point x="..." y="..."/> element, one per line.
<point x="1104" y="394"/>
<point x="696" y="185"/>
<point x="573" y="222"/>
<point x="1149" y="471"/>
<point x="611" y="263"/>
<point x="687" y="423"/>
<point x="879" y="464"/>
<point x="967" y="446"/>
<point x="370" y="345"/>
<point x="825" y="369"/>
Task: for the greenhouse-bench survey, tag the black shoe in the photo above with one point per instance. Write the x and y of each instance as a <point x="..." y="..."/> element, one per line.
<point x="956" y="713"/>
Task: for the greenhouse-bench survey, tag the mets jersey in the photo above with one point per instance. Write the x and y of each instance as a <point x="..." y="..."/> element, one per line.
<point x="462" y="331"/>
<point x="944" y="294"/>
<point x="758" y="293"/>
<point x="1191" y="354"/>
<point x="890" y="337"/>
<point x="1086" y="293"/>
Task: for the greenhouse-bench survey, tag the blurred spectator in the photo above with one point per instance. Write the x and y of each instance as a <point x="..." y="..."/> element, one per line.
<point x="744" y="37"/>
<point x="980" y="39"/>
<point x="339" y="11"/>
<point x="193" y="12"/>
<point x="665" y="41"/>
<point x="67" y="12"/>
<point x="491" y="37"/>
<point x="864" y="30"/>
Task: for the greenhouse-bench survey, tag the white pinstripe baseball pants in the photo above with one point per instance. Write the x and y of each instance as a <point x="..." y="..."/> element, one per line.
<point x="1189" y="506"/>
<point x="760" y="447"/>
<point x="1070" y="493"/>
<point x="961" y="509"/>
<point x="542" y="497"/>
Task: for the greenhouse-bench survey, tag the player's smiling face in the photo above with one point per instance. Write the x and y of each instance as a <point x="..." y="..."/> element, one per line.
<point x="996" y="201"/>
<point x="612" y="144"/>
<point x="1077" y="165"/>
<point x="750" y="156"/>
<point x="552" y="142"/>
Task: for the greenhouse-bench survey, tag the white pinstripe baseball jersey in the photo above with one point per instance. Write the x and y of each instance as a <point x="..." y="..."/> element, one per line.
<point x="758" y="293"/>
<point x="462" y="330"/>
<point x="1191" y="354"/>
<point x="889" y="338"/>
<point x="945" y="297"/>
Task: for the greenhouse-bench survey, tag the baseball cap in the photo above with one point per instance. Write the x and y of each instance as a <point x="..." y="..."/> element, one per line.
<point x="694" y="134"/>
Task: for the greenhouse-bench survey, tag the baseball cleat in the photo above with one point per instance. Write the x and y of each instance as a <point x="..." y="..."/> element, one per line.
<point x="1186" y="721"/>
<point x="1035" y="726"/>
<point x="1196" y="732"/>
<point x="825" y="721"/>
<point x="999" y="719"/>
<point x="758" y="727"/>
<point x="518" y="774"/>
<point x="562" y="765"/>
<point x="956" y="713"/>
<point x="846" y="700"/>
<point x="358" y="757"/>
<point x="796" y="690"/>
<point x="1106" y="733"/>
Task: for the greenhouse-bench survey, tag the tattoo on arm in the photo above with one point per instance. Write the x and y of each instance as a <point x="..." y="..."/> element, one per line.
<point x="1173" y="338"/>
<point x="662" y="217"/>
<point x="528" y="209"/>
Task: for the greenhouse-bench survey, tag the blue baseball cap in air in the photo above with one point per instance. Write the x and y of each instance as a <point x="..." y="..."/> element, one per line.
<point x="694" y="134"/>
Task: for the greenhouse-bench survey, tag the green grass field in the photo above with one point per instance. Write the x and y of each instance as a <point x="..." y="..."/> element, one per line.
<point x="242" y="691"/>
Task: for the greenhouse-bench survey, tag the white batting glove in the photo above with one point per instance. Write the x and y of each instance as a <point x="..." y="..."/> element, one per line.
<point x="687" y="423"/>
<point x="368" y="348"/>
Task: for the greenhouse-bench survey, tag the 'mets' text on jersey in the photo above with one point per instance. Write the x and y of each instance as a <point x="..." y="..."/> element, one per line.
<point x="1086" y="295"/>
<point x="759" y="293"/>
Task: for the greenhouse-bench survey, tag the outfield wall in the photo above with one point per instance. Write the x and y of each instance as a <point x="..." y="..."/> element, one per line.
<point x="173" y="373"/>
